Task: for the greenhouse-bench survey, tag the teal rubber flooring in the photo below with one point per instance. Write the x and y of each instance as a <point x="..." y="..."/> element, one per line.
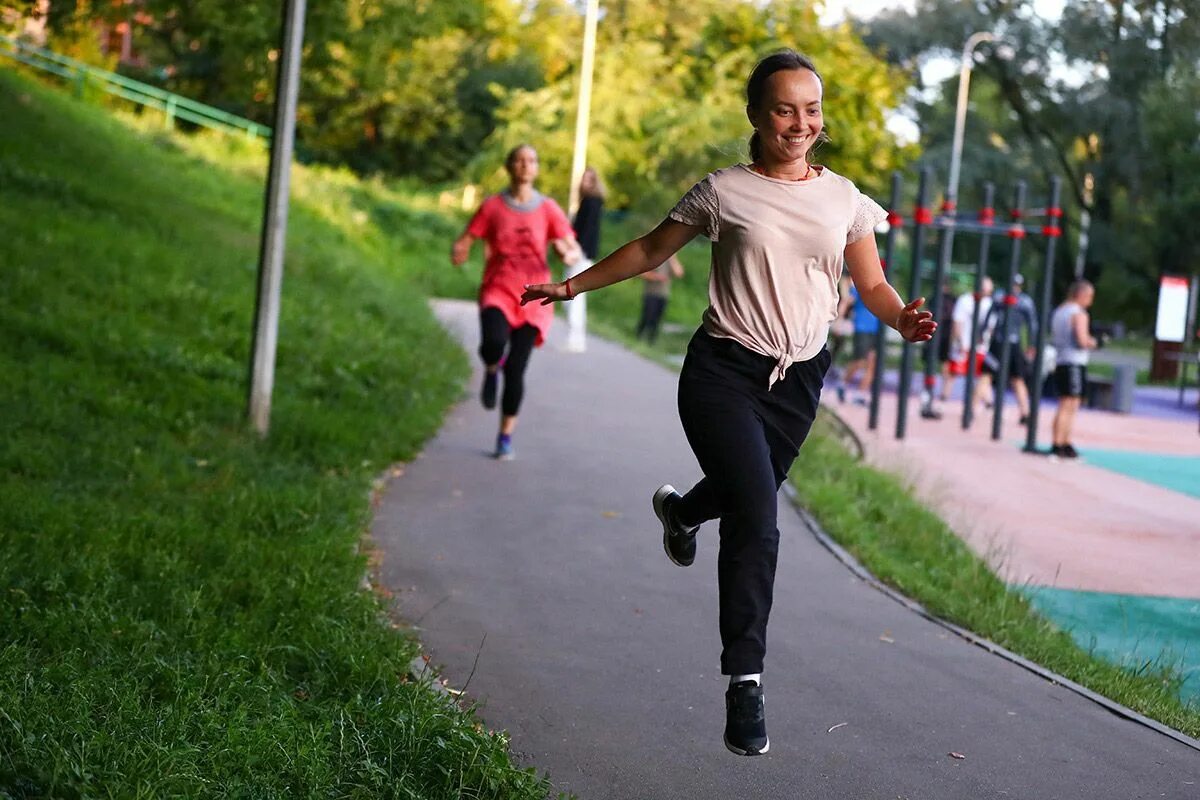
<point x="1131" y="630"/>
<point x="1175" y="472"/>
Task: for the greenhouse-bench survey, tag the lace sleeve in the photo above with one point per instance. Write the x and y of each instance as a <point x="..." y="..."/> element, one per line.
<point x="700" y="206"/>
<point x="867" y="214"/>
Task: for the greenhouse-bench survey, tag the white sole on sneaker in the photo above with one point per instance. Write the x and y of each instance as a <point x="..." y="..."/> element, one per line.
<point x="740" y="752"/>
<point x="660" y="511"/>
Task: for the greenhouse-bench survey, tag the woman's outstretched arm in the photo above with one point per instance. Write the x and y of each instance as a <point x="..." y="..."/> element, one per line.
<point x="631" y="259"/>
<point x="862" y="259"/>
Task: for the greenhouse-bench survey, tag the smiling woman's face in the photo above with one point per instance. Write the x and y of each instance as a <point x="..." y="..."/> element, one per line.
<point x="789" y="120"/>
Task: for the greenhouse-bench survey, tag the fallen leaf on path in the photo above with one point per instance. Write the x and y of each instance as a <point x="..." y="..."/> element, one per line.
<point x="959" y="756"/>
<point x="610" y="514"/>
<point x="886" y="638"/>
<point x="835" y="727"/>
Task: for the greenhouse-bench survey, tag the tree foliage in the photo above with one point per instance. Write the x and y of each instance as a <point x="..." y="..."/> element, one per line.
<point x="1103" y="97"/>
<point x="441" y="88"/>
<point x="668" y="100"/>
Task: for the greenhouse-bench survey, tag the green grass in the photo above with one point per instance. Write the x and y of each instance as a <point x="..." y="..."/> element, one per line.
<point x="179" y="603"/>
<point x="859" y="506"/>
<point x="1098" y="369"/>
<point x="874" y="516"/>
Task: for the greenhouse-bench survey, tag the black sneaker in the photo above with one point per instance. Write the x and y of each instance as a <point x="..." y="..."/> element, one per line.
<point x="745" y="720"/>
<point x="679" y="542"/>
<point x="1024" y="420"/>
<point x="929" y="412"/>
<point x="488" y="395"/>
<point x="1068" y="451"/>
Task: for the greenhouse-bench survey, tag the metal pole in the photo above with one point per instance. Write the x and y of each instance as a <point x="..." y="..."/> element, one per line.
<point x="932" y="347"/>
<point x="583" y="113"/>
<point x="986" y="217"/>
<point x="949" y="210"/>
<point x="889" y="250"/>
<point x="1085" y="222"/>
<point x="274" y="228"/>
<point x="921" y="219"/>
<point x="1015" y="233"/>
<point x="960" y="112"/>
<point x="576" y="310"/>
<point x="1052" y="231"/>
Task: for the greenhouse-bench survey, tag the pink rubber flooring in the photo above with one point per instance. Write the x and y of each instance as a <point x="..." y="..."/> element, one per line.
<point x="1043" y="521"/>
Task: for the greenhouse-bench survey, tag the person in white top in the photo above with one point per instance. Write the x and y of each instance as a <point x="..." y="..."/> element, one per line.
<point x="960" y="335"/>
<point x="781" y="229"/>
<point x="1072" y="340"/>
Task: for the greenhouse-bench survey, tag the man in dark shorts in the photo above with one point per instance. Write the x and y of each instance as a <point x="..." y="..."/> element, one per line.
<point x="1072" y="340"/>
<point x="866" y="326"/>
<point x="944" y="354"/>
<point x="1015" y="301"/>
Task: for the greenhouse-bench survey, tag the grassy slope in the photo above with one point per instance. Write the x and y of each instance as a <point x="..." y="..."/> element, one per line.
<point x="178" y="605"/>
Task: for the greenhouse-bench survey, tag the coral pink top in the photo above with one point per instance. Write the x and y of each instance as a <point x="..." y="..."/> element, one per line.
<point x="517" y="236"/>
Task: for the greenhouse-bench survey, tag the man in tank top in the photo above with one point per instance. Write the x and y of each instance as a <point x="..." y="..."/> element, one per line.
<point x="1071" y="339"/>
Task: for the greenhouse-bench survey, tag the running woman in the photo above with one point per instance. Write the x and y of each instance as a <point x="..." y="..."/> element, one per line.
<point x="516" y="225"/>
<point x="781" y="229"/>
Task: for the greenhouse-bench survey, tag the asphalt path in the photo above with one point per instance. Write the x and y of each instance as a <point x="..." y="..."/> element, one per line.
<point x="542" y="582"/>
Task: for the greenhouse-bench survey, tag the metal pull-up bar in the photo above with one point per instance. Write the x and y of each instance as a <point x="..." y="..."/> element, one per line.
<point x="984" y="225"/>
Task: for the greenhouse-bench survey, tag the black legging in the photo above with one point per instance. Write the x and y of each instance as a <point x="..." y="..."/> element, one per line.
<point x="497" y="335"/>
<point x="745" y="437"/>
<point x="653" y="307"/>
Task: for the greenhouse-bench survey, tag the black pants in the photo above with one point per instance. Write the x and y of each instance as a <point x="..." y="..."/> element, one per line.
<point x="653" y="307"/>
<point x="497" y="336"/>
<point x="745" y="438"/>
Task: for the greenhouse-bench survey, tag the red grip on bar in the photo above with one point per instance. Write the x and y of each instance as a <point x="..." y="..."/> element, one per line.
<point x="1010" y="299"/>
<point x="947" y="206"/>
<point x="1054" y="212"/>
<point x="894" y="219"/>
<point x="930" y="380"/>
<point x="922" y="215"/>
<point x="1015" y="213"/>
<point x="1052" y="231"/>
<point x="1016" y="232"/>
<point x="987" y="216"/>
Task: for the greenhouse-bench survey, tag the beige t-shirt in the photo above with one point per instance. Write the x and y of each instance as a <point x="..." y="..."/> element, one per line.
<point x="777" y="255"/>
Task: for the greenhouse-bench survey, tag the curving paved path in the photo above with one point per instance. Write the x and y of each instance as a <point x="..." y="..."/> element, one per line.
<point x="543" y="581"/>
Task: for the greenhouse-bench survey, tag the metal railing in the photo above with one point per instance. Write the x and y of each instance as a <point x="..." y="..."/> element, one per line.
<point x="172" y="105"/>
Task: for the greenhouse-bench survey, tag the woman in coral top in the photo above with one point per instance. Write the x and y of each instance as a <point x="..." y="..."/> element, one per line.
<point x="517" y="226"/>
<point x="782" y="228"/>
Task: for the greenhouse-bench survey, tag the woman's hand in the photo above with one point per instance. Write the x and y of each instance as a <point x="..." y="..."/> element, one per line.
<point x="460" y="250"/>
<point x="546" y="292"/>
<point x="914" y="325"/>
<point x="569" y="251"/>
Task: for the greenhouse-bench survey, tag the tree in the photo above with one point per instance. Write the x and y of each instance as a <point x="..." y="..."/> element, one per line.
<point x="668" y="98"/>
<point x="1077" y="101"/>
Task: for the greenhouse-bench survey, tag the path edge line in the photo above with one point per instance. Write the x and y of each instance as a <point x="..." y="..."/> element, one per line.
<point x="861" y="572"/>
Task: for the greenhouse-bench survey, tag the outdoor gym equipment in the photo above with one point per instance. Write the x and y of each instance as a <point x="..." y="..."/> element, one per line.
<point x="984" y="225"/>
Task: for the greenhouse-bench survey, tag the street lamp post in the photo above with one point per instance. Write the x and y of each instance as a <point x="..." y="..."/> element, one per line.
<point x="960" y="114"/>
<point x="949" y="209"/>
<point x="576" y="309"/>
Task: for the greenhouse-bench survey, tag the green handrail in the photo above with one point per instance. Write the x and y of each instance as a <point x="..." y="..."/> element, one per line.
<point x="172" y="105"/>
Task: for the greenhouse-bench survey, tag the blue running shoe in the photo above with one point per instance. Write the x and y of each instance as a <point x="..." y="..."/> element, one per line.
<point x="504" y="448"/>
